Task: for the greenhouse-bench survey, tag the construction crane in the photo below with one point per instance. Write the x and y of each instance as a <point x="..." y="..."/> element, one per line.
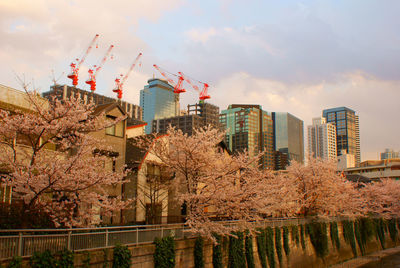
<point x="178" y="85"/>
<point x="203" y="94"/>
<point x="120" y="82"/>
<point x="75" y="66"/>
<point x="93" y="72"/>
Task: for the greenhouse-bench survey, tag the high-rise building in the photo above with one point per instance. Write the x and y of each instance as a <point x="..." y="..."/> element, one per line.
<point x="389" y="154"/>
<point x="249" y="128"/>
<point x="347" y="130"/>
<point x="322" y="139"/>
<point x="62" y="92"/>
<point x="288" y="138"/>
<point x="158" y="100"/>
<point x="197" y="116"/>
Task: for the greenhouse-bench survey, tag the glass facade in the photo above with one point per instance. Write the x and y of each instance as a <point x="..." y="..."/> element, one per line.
<point x="347" y="130"/>
<point x="288" y="136"/>
<point x="249" y="128"/>
<point x="158" y="100"/>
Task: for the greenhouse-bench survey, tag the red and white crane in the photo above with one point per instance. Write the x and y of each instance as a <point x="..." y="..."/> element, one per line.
<point x="177" y="85"/>
<point x="203" y="94"/>
<point x="120" y="82"/>
<point x="75" y="66"/>
<point x="93" y="72"/>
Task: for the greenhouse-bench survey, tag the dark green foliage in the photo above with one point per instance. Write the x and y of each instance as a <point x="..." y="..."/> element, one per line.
<point x="392" y="229"/>
<point x="249" y="251"/>
<point x="367" y="229"/>
<point x="164" y="255"/>
<point x="217" y="252"/>
<point x="334" y="233"/>
<point x="237" y="257"/>
<point x="65" y="259"/>
<point x="16" y="262"/>
<point x="357" y="233"/>
<point x="302" y="238"/>
<point x="286" y="240"/>
<point x="278" y="243"/>
<point x="122" y="257"/>
<point x="43" y="260"/>
<point x="261" y="246"/>
<point x="318" y="237"/>
<point x="295" y="234"/>
<point x="349" y="237"/>
<point x="16" y="216"/>
<point x="269" y="239"/>
<point x="198" y="253"/>
<point x="380" y="231"/>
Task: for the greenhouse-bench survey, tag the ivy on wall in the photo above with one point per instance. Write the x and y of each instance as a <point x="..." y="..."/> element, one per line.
<point x="357" y="233"/>
<point x="380" y="231"/>
<point x="285" y="234"/>
<point x="278" y="243"/>
<point x="392" y="229"/>
<point x="122" y="257"/>
<point x="261" y="246"/>
<point x="217" y="252"/>
<point x="295" y="234"/>
<point x="237" y="257"/>
<point x="367" y="229"/>
<point x="249" y="251"/>
<point x="302" y="237"/>
<point x="349" y="237"/>
<point x="269" y="239"/>
<point x="318" y="234"/>
<point x="334" y="234"/>
<point x="164" y="255"/>
<point x="198" y="253"/>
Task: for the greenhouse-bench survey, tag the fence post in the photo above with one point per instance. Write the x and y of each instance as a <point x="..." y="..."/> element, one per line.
<point x="137" y="236"/>
<point x="162" y="231"/>
<point x="106" y="237"/>
<point x="20" y="244"/>
<point x="69" y="240"/>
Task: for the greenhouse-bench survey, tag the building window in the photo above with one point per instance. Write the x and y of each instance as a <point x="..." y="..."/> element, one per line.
<point x="116" y="129"/>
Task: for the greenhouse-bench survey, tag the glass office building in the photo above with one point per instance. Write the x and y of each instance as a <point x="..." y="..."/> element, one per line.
<point x="158" y="100"/>
<point x="249" y="128"/>
<point x="347" y="130"/>
<point x="288" y="139"/>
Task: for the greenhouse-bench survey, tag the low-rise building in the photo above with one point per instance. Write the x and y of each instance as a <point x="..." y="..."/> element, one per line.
<point x="377" y="169"/>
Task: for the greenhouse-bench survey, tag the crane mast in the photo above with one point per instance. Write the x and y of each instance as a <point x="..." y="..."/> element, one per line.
<point x="75" y="66"/>
<point x="93" y="72"/>
<point x="120" y="82"/>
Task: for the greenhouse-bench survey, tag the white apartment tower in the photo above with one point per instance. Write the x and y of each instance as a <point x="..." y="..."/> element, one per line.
<point x="322" y="139"/>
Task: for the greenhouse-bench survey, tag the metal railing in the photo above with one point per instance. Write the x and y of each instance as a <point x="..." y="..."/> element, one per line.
<point x="24" y="242"/>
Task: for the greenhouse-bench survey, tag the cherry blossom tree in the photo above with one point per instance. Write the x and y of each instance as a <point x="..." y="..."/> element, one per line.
<point x="382" y="198"/>
<point x="53" y="162"/>
<point x="211" y="183"/>
<point x="321" y="191"/>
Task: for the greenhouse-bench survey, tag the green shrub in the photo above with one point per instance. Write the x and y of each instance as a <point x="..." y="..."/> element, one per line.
<point x="302" y="238"/>
<point x="278" y="243"/>
<point x="295" y="234"/>
<point x="198" y="253"/>
<point x="86" y="261"/>
<point x="217" y="252"/>
<point x="286" y="240"/>
<point x="269" y="239"/>
<point x="349" y="237"/>
<point x="16" y="262"/>
<point x="392" y="229"/>
<point x="380" y="231"/>
<point x="261" y="246"/>
<point x="164" y="255"/>
<point x="334" y="233"/>
<point x="249" y="251"/>
<point x="65" y="259"/>
<point x="318" y="237"/>
<point x="237" y="257"/>
<point x="122" y="257"/>
<point x="43" y="260"/>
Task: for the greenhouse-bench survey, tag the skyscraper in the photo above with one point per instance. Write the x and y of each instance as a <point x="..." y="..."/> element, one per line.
<point x="389" y="154"/>
<point x="288" y="139"/>
<point x="158" y="100"/>
<point x="347" y="130"/>
<point x="249" y="128"/>
<point x="322" y="139"/>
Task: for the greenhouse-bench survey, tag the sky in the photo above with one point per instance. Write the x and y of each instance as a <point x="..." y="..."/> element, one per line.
<point x="289" y="56"/>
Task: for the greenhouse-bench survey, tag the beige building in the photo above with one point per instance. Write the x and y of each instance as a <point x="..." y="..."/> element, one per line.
<point x="322" y="139"/>
<point x="377" y="169"/>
